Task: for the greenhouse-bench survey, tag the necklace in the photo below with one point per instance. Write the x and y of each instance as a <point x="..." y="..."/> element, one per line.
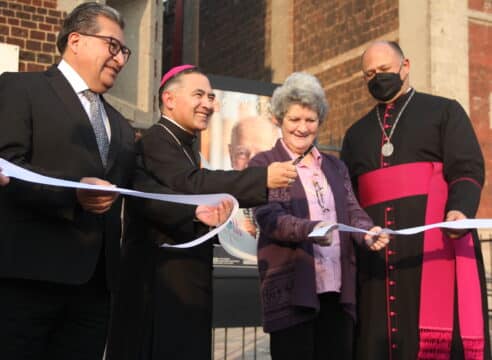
<point x="388" y="148"/>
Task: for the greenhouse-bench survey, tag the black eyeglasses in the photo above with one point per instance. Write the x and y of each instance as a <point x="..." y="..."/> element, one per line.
<point x="114" y="45"/>
<point x="320" y="196"/>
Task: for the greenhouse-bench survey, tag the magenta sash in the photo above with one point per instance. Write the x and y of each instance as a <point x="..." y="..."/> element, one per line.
<point x="445" y="261"/>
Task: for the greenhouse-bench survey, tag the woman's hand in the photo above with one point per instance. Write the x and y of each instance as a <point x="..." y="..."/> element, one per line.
<point x="327" y="239"/>
<point x="379" y="241"/>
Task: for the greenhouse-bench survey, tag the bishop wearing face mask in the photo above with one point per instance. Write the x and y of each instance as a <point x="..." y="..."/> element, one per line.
<point x="414" y="159"/>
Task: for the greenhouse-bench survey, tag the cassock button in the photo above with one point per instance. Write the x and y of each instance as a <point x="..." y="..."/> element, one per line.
<point x="392" y="313"/>
<point x="394" y="346"/>
<point x="392" y="298"/>
<point x="389" y="222"/>
<point x="392" y="283"/>
<point x="391" y="252"/>
<point x="394" y="330"/>
<point x="391" y="267"/>
<point x="387" y="126"/>
<point x="389" y="208"/>
<point x="385" y="164"/>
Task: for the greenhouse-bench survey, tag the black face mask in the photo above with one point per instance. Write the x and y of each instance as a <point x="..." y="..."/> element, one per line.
<point x="384" y="86"/>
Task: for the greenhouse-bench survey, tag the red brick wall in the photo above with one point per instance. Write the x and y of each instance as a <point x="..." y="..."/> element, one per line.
<point x="480" y="70"/>
<point x="324" y="30"/>
<point x="33" y="26"/>
<point x="348" y="100"/>
<point x="235" y="38"/>
<point x="481" y="5"/>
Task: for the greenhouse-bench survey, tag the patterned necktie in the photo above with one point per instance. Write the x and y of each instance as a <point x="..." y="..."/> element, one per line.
<point x="97" y="122"/>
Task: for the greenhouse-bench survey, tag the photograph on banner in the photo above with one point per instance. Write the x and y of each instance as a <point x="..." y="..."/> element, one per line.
<point x="241" y="127"/>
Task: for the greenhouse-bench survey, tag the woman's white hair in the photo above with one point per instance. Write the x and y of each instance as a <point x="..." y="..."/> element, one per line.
<point x="303" y="89"/>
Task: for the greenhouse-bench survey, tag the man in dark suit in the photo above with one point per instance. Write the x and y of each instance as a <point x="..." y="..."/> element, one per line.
<point x="59" y="248"/>
<point x="169" y="290"/>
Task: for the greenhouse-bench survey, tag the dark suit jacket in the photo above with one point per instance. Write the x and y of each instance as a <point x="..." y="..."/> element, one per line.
<point x="46" y="235"/>
<point x="168" y="290"/>
<point x="285" y="254"/>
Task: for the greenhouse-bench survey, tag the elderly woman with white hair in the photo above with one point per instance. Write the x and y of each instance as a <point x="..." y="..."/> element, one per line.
<point x="308" y="285"/>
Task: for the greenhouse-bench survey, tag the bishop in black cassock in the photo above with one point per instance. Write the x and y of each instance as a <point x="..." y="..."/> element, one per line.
<point x="414" y="159"/>
<point x="163" y="308"/>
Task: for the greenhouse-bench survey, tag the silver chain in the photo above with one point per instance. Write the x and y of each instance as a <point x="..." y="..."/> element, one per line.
<point x="178" y="142"/>
<point x="388" y="137"/>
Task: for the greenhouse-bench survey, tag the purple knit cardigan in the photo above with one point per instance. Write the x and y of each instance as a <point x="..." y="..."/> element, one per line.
<point x="285" y="254"/>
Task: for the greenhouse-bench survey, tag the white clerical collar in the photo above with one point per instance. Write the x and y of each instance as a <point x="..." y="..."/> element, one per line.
<point x="175" y="123"/>
<point x="78" y="84"/>
<point x="408" y="90"/>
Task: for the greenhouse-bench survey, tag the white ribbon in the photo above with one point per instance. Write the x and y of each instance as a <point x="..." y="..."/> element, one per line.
<point x="233" y="238"/>
<point x="238" y="242"/>
<point x="458" y="224"/>
<point x="238" y="245"/>
<point x="17" y="172"/>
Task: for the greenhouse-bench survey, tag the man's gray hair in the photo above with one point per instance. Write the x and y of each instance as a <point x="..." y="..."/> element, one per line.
<point x="303" y="89"/>
<point x="84" y="19"/>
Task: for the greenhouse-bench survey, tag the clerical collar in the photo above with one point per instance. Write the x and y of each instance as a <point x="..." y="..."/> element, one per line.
<point x="183" y="135"/>
<point x="174" y="122"/>
<point x="398" y="103"/>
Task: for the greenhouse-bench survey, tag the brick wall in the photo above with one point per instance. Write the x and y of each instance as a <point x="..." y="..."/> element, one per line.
<point x="32" y="25"/>
<point x="328" y="29"/>
<point x="235" y="38"/>
<point x="480" y="70"/>
<point x="324" y="29"/>
<point x="235" y="41"/>
<point x="481" y="5"/>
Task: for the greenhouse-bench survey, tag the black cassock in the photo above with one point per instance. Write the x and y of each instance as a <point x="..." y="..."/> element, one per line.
<point x="407" y="299"/>
<point x="163" y="309"/>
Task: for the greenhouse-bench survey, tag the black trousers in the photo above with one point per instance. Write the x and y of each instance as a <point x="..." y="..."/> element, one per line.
<point x="327" y="337"/>
<point x="48" y="321"/>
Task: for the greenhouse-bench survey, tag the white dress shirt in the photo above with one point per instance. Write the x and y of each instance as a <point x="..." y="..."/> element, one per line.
<point x="79" y="85"/>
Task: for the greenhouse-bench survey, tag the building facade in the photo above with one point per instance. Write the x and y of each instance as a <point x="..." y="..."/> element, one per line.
<point x="32" y="26"/>
<point x="449" y="44"/>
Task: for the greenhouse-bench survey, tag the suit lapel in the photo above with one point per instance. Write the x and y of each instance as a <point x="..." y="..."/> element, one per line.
<point x="75" y="110"/>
